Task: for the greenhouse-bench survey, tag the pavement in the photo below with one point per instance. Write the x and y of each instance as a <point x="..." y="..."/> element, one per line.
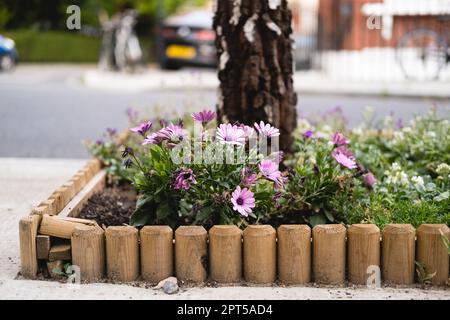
<point x="26" y="182"/>
<point x="306" y="82"/>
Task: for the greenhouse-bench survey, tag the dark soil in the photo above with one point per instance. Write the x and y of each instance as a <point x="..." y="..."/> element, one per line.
<point x="112" y="206"/>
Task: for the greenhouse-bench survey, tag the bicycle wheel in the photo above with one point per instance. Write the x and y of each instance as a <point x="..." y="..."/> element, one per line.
<point x="421" y="54"/>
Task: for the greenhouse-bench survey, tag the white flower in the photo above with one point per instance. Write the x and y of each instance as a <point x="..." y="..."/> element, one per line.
<point x="418" y="182"/>
<point x="430" y="134"/>
<point x="407" y="130"/>
<point x="398" y="137"/>
<point x="396" y="167"/>
<point x="443" y="168"/>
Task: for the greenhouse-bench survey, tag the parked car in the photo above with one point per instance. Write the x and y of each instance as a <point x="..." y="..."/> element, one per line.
<point x="8" y="53"/>
<point x="187" y="40"/>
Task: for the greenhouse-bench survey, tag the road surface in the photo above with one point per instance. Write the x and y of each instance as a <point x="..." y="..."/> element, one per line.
<point x="46" y="111"/>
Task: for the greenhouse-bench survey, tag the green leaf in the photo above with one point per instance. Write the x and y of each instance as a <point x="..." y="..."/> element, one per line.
<point x="329" y="215"/>
<point x="317" y="219"/>
<point x="144" y="213"/>
<point x="163" y="211"/>
<point x="443" y="196"/>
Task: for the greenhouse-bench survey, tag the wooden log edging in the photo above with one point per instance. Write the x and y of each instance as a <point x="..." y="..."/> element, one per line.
<point x="260" y="254"/>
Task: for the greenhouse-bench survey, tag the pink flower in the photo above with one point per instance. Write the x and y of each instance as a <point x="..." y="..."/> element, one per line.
<point x="204" y="116"/>
<point x="142" y="128"/>
<point x="230" y="134"/>
<point x="344" y="157"/>
<point x="339" y="139"/>
<point x="243" y="201"/>
<point x="184" y="179"/>
<point x="248" y="177"/>
<point x="173" y="133"/>
<point x="269" y="169"/>
<point x="248" y="131"/>
<point x="267" y="130"/>
<point x="369" y="179"/>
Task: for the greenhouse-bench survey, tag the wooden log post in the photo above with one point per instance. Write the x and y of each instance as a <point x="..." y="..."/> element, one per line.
<point x="260" y="254"/>
<point x="28" y="228"/>
<point x="156" y="253"/>
<point x="122" y="253"/>
<point x="225" y="254"/>
<point x="61" y="227"/>
<point x="42" y="247"/>
<point x="329" y="254"/>
<point x="398" y="254"/>
<point x="51" y="204"/>
<point x="363" y="251"/>
<point x="70" y="189"/>
<point x="431" y="251"/>
<point x="191" y="254"/>
<point x="294" y="254"/>
<point x="88" y="252"/>
<point x="61" y="251"/>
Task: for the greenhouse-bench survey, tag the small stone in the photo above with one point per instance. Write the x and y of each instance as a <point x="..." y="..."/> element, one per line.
<point x="170" y="287"/>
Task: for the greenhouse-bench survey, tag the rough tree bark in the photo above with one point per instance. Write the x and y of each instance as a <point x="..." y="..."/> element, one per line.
<point x="254" y="49"/>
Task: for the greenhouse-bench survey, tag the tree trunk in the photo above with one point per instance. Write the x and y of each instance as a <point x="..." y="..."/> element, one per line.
<point x="254" y="49"/>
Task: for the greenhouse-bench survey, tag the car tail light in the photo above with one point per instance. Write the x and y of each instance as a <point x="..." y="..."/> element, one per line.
<point x="205" y="35"/>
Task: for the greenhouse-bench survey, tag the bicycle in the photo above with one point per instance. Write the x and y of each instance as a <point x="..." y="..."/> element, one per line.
<point x="423" y="53"/>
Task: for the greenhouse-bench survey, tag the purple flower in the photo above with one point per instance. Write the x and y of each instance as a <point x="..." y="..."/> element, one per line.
<point x="276" y="199"/>
<point x="248" y="177"/>
<point x="184" y="179"/>
<point x="243" y="201"/>
<point x="111" y="131"/>
<point x="339" y="139"/>
<point x="99" y="142"/>
<point x="308" y="134"/>
<point x="204" y="116"/>
<point x="173" y="133"/>
<point x="344" y="157"/>
<point x="267" y="130"/>
<point x="153" y="138"/>
<point x="399" y="124"/>
<point x="142" y="128"/>
<point x="230" y="134"/>
<point x="132" y="114"/>
<point x="269" y="169"/>
<point x="369" y="179"/>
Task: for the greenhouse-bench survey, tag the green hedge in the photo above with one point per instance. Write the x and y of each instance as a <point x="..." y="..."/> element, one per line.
<point x="55" y="46"/>
<point x="59" y="46"/>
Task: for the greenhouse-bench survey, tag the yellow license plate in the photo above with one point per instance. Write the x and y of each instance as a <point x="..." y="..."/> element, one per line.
<point x="180" y="52"/>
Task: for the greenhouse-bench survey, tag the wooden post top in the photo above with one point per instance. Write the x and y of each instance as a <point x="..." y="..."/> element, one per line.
<point x="398" y="228"/>
<point x="259" y="230"/>
<point x="119" y="231"/>
<point x="190" y="231"/>
<point x="156" y="230"/>
<point x="225" y="230"/>
<point x="86" y="229"/>
<point x="329" y="228"/>
<point x="363" y="228"/>
<point x="295" y="228"/>
<point x="433" y="228"/>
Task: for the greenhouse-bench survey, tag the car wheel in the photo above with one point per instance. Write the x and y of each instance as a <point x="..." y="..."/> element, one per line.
<point x="7" y="63"/>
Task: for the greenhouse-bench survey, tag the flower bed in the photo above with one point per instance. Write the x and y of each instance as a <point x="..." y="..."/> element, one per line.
<point x="328" y="178"/>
